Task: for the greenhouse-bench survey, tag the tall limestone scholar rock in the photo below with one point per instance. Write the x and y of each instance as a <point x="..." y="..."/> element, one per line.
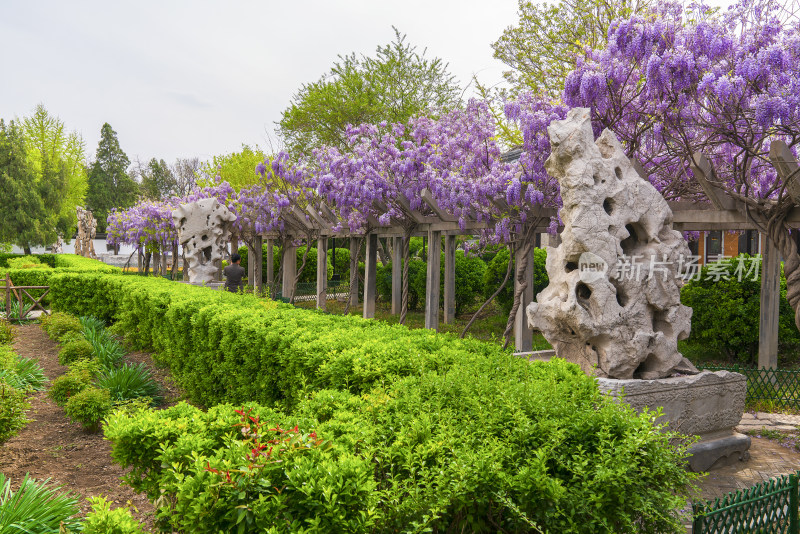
<point x="87" y="230"/>
<point x="203" y="230"/>
<point x="613" y="302"/>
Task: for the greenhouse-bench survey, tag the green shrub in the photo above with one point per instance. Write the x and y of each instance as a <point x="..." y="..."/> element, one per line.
<point x="423" y="451"/>
<point x="419" y="429"/>
<point x="75" y="349"/>
<point x="469" y="274"/>
<point x="103" y="520"/>
<point x="46" y="259"/>
<point x="726" y="312"/>
<point x="58" y="324"/>
<point x="12" y="410"/>
<point x="26" y="262"/>
<point x="341" y="264"/>
<point x="78" y="378"/>
<point x="36" y="508"/>
<point x="6" y="332"/>
<point x="496" y="272"/>
<point x="129" y="382"/>
<point x="88" y="407"/>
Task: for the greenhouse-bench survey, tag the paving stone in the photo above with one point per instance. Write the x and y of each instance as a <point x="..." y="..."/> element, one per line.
<point x="748" y="415"/>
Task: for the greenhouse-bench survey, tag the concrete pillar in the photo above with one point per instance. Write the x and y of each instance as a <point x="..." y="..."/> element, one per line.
<point x="370" y="272"/>
<point x="397" y="275"/>
<point x="258" y="258"/>
<point x="289" y="261"/>
<point x="770" y="300"/>
<point x="270" y="262"/>
<point x="322" y="273"/>
<point x="434" y="275"/>
<point x="523" y="336"/>
<point x="354" y="269"/>
<point x="449" y="279"/>
<point x="251" y="258"/>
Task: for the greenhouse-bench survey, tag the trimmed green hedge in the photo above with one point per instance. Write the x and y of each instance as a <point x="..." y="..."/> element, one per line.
<point x="397" y="430"/>
<point x="726" y="311"/>
<point x="61" y="263"/>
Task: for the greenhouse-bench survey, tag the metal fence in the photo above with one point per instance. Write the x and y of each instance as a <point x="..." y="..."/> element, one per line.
<point x="769" y="507"/>
<point x="768" y="389"/>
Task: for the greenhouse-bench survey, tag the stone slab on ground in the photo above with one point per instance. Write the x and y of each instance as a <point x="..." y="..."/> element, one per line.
<point x="770" y="421"/>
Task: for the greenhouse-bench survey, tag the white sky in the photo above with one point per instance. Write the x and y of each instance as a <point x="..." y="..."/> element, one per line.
<point x="200" y="78"/>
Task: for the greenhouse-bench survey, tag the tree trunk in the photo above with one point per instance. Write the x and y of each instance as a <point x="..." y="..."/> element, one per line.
<point x="27" y="250"/>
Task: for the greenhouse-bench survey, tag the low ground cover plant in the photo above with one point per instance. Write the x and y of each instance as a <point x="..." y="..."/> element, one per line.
<point x="19" y="377"/>
<point x="322" y="423"/>
<point x="36" y="507"/>
<point x="57" y="324"/>
<point x="96" y="380"/>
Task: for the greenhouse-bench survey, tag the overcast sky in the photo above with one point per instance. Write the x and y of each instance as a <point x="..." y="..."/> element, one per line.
<point x="199" y="78"/>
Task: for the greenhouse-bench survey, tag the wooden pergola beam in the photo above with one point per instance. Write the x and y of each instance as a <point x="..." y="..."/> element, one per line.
<point x="427" y="198"/>
<point x="783" y="160"/>
<point x="707" y="178"/>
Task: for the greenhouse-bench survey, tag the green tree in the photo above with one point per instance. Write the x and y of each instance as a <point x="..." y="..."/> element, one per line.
<point x="186" y="172"/>
<point x="396" y="84"/>
<point x="24" y="219"/>
<point x="56" y="158"/>
<point x="110" y="186"/>
<point x="236" y="168"/>
<point x="543" y="48"/>
<point x="157" y="180"/>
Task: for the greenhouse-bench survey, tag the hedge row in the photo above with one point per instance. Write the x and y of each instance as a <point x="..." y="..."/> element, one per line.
<point x="726" y="305"/>
<point x="369" y="427"/>
<point x="55" y="263"/>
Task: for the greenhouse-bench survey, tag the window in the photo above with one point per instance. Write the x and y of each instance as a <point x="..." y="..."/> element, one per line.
<point x="713" y="246"/>
<point x="749" y="242"/>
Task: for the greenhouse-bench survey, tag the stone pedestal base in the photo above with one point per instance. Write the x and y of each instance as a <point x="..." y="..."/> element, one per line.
<point x="708" y="405"/>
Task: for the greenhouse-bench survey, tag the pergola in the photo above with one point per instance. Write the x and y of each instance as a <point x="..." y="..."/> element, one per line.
<point x="721" y="213"/>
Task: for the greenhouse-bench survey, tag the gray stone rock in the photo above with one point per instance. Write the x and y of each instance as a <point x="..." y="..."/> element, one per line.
<point x="613" y="302"/>
<point x="203" y="230"/>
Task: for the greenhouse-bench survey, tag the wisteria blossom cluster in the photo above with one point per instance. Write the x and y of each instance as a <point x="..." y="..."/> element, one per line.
<point x="724" y="85"/>
<point x="148" y="226"/>
<point x="455" y="157"/>
<point x="382" y="177"/>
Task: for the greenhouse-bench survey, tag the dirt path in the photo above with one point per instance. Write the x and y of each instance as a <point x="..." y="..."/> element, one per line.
<point x="54" y="447"/>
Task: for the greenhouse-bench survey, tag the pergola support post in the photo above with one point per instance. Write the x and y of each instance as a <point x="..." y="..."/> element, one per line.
<point x="322" y="273"/>
<point x="434" y="275"/>
<point x="397" y="275"/>
<point x="251" y="261"/>
<point x="370" y="272"/>
<point x="354" y="269"/>
<point x="258" y="255"/>
<point x="289" y="261"/>
<point x="449" y="279"/>
<point x="523" y="336"/>
<point x="270" y="262"/>
<point x="770" y="300"/>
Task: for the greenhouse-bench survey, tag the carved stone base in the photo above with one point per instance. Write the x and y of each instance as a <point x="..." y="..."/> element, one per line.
<point x="708" y="405"/>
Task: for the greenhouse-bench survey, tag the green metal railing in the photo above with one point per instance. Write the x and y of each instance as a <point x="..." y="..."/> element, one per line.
<point x="308" y="290"/>
<point x="769" y="507"/>
<point x="779" y="388"/>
